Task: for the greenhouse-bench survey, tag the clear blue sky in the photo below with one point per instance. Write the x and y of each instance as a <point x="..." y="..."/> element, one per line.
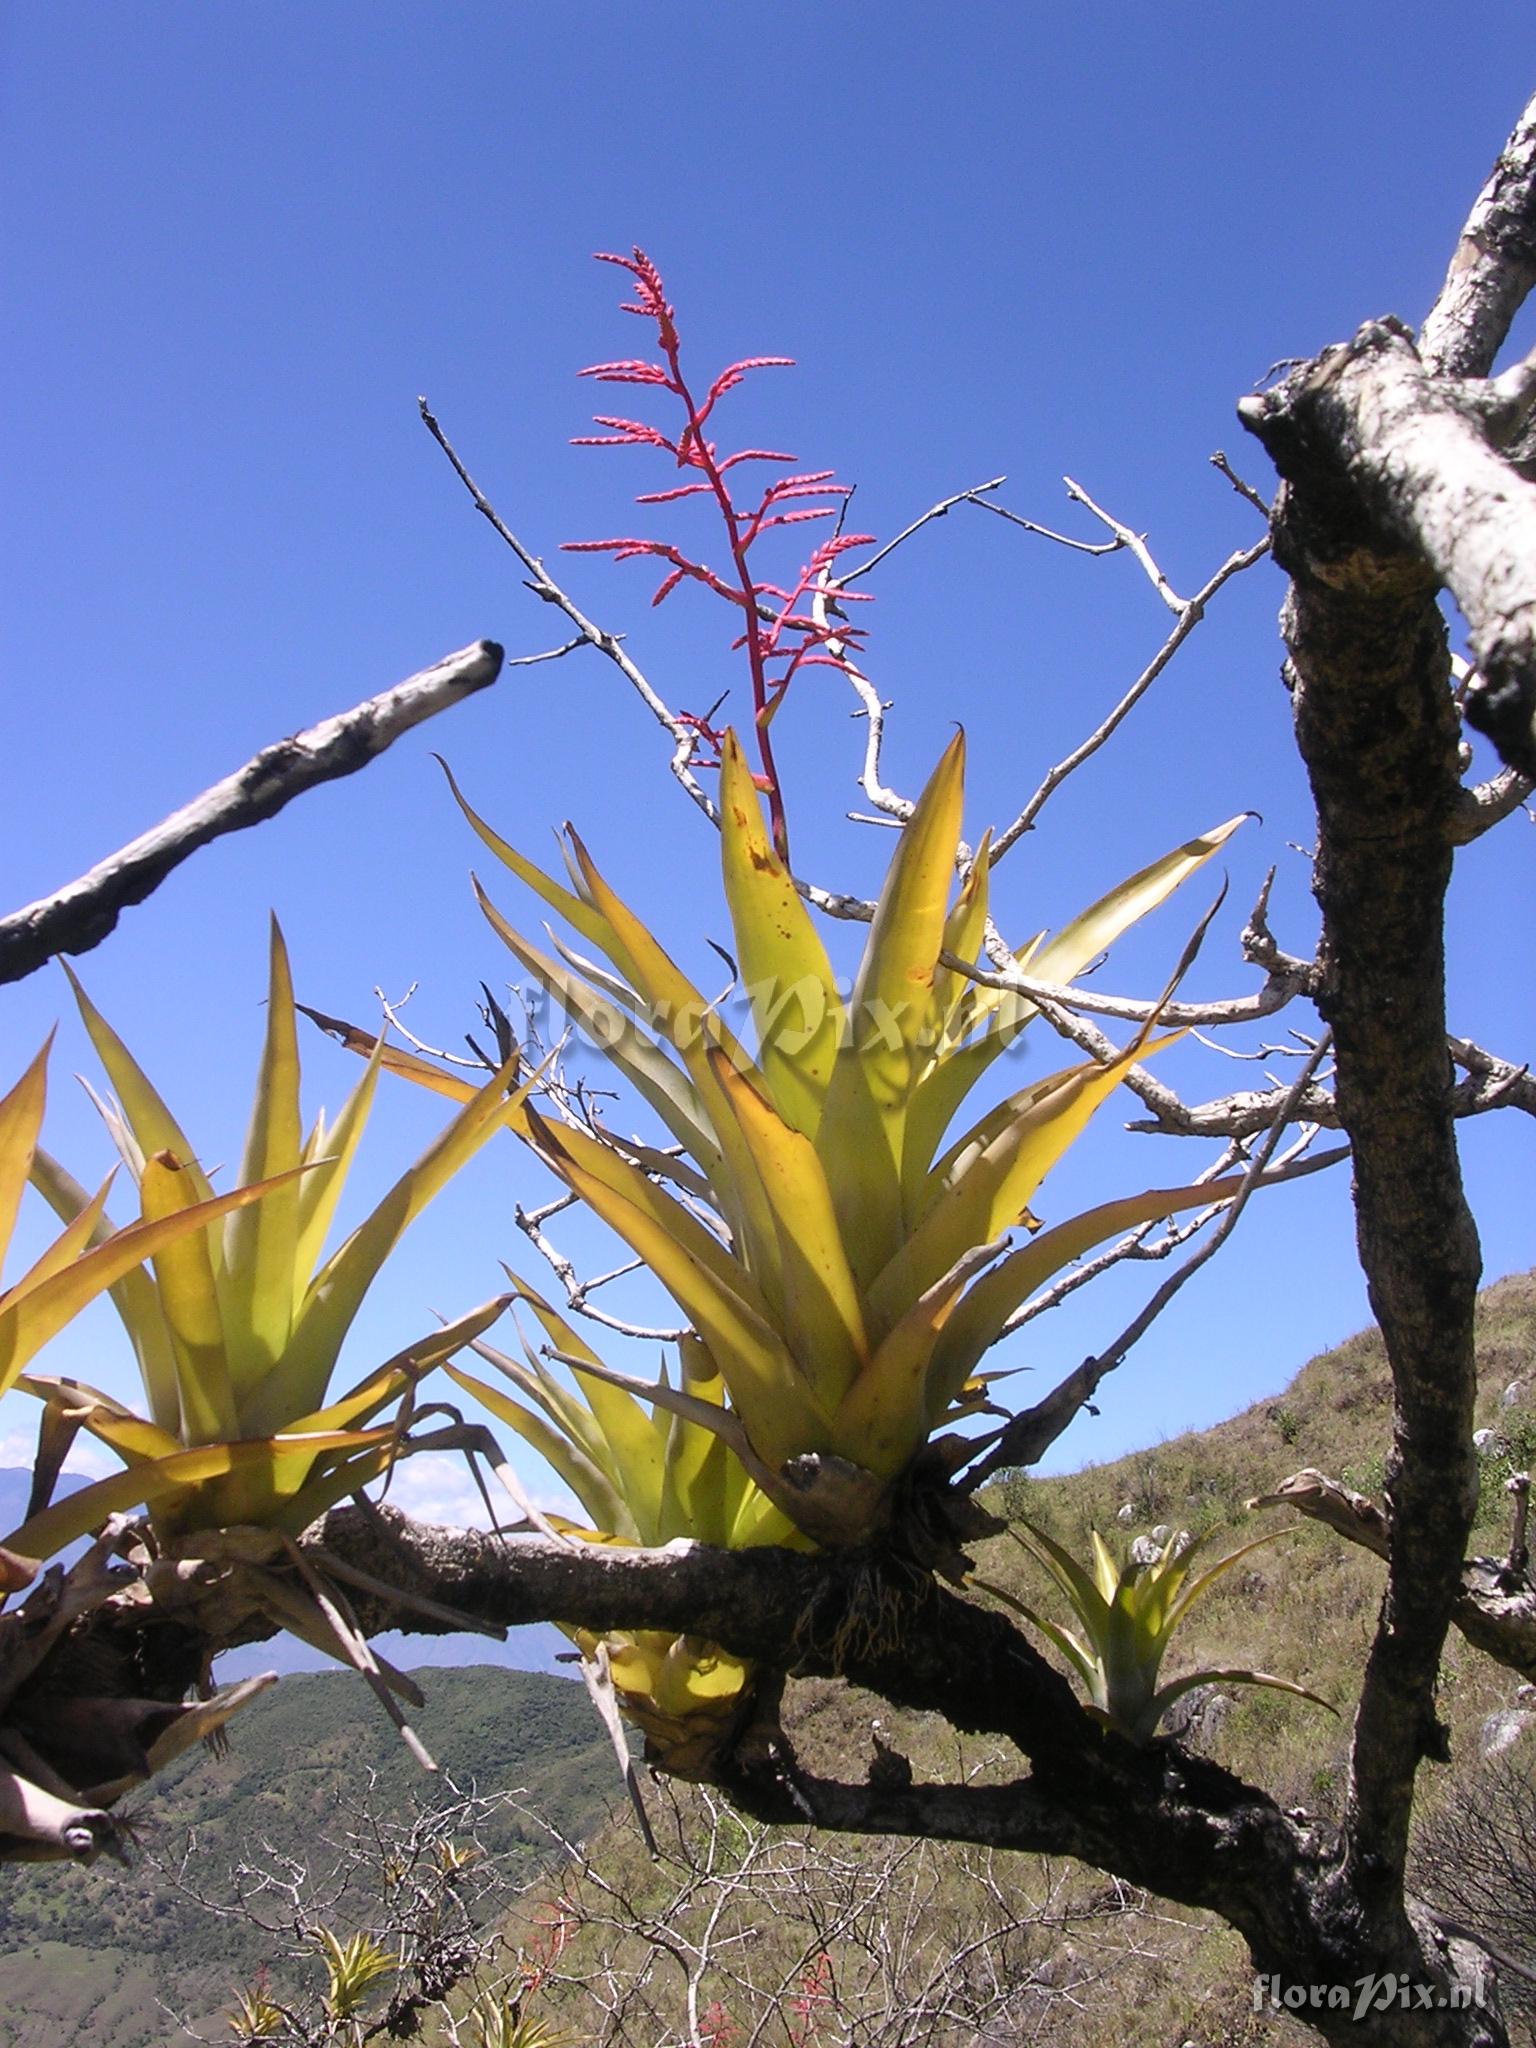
<point x="997" y="237"/>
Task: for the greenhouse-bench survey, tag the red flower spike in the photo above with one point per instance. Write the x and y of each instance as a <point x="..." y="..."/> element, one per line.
<point x="777" y="634"/>
<point x="793" y="518"/>
<point x="608" y="547"/>
<point x="636" y="429"/>
<point x="735" y="374"/>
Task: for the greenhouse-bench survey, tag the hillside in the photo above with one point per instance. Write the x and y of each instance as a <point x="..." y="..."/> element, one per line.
<point x="86" y="1953"/>
<point x="1090" y="1962"/>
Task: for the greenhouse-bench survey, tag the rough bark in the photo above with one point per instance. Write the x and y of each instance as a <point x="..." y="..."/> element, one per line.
<point x="1496" y="1610"/>
<point x="83" y="912"/>
<point x="1157" y="1816"/>
<point x="1376" y="725"/>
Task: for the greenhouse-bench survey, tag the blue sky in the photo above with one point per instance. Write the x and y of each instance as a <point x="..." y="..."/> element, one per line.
<point x="1037" y="240"/>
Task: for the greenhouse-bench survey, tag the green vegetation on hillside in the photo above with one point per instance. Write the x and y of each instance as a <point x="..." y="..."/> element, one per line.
<point x="88" y="1953"/>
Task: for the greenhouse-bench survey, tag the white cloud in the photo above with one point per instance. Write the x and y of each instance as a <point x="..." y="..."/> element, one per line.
<point x="437" y="1487"/>
<point x="87" y="1458"/>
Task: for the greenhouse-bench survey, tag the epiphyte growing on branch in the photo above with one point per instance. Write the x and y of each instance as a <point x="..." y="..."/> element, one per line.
<point x="238" y="1320"/>
<point x="846" y="1268"/>
<point x="646" y="1477"/>
<point x="1127" y="1615"/>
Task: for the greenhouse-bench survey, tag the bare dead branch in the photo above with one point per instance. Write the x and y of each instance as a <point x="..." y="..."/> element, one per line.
<point x="1488" y="804"/>
<point x="1278" y="990"/>
<point x="1496" y="1610"/>
<point x="81" y="914"/>
<point x="1244" y="490"/>
<point x="1188" y="615"/>
<point x="1493" y="267"/>
<point x="1418" y="455"/>
<point x="1491" y="1083"/>
<point x="1062" y="540"/>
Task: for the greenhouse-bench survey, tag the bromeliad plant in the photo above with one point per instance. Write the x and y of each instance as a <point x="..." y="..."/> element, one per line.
<point x="644" y="1477"/>
<point x="845" y="1262"/>
<point x="238" y="1320"/>
<point x="1127" y="1615"/>
<point x="88" y="1256"/>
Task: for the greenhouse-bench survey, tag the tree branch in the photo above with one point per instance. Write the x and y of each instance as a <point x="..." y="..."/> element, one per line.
<point x="1369" y="421"/>
<point x="1496" y="1611"/>
<point x="1356" y="438"/>
<point x="1493" y="267"/>
<point x="81" y="914"/>
<point x="1155" y="1816"/>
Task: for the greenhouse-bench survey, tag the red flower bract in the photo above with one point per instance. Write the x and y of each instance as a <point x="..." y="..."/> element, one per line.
<point x="779" y="638"/>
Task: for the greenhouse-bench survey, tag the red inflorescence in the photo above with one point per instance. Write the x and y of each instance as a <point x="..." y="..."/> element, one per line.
<point x="779" y="633"/>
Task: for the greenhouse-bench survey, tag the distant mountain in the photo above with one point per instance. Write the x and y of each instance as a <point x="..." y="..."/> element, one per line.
<point x="85" y="1955"/>
<point x="16" y="1486"/>
<point x="98" y="1957"/>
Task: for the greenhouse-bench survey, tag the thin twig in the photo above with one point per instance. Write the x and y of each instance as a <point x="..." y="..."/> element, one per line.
<point x="974" y="496"/>
<point x="578" y="1292"/>
<point x="1277" y="991"/>
<point x="1244" y="490"/>
<point x="1025" y="1439"/>
<point x="1142" y="1246"/>
<point x="544" y="587"/>
<point x="1188" y="615"/>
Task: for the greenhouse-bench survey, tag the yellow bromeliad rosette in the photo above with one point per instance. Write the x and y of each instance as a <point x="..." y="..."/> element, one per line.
<point x="88" y="1256"/>
<point x="843" y="1259"/>
<point x="645" y="1477"/>
<point x="235" y="1315"/>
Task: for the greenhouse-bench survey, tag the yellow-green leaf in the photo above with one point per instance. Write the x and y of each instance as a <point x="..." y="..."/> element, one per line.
<point x="783" y="963"/>
<point x="986" y="1191"/>
<point x="165" y="1479"/>
<point x="823" y="1319"/>
<point x="1065" y="955"/>
<point x="133" y="1293"/>
<point x="591" y="1486"/>
<point x="320" y="1190"/>
<point x="21" y="1118"/>
<point x="337" y="1291"/>
<point x="861" y="1136"/>
<point x="635" y="1446"/>
<point x="975" y="1325"/>
<point x="30" y="1315"/>
<point x="391" y="1379"/>
<point x="261" y="1242"/>
<point x="154" y="1128"/>
<point x="637" y="1056"/>
<point x="578" y="914"/>
<point x="776" y="1403"/>
<point x="189" y="1296"/>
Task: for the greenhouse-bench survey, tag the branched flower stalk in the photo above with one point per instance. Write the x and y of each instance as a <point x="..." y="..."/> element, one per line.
<point x="779" y="638"/>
